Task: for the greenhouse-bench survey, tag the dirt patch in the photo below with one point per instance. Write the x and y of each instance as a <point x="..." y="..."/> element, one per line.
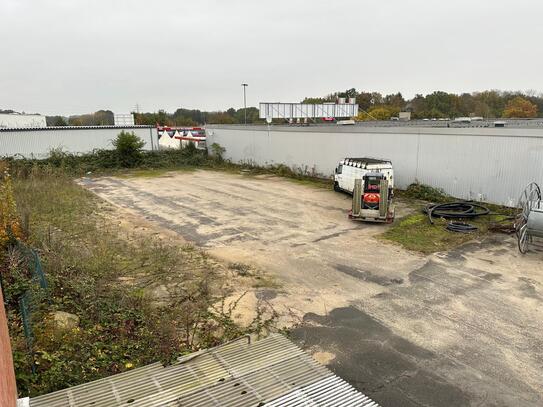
<point x="324" y="358"/>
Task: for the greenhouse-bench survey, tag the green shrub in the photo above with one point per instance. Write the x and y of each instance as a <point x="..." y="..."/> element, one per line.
<point x="57" y="156"/>
<point x="128" y="147"/>
<point x="217" y="151"/>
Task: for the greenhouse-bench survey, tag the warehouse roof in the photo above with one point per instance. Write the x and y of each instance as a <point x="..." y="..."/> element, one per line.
<point x="272" y="372"/>
<point x="49" y="128"/>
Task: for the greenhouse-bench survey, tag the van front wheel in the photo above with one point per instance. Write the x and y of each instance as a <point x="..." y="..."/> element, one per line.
<point x="336" y="187"/>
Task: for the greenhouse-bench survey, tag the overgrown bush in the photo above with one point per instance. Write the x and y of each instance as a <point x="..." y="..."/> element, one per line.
<point x="426" y="193"/>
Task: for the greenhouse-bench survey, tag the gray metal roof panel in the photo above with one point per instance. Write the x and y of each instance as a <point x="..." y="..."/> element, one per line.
<point x="234" y="374"/>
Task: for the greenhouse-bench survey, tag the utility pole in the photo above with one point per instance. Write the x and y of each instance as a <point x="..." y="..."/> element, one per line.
<point x="137" y="111"/>
<point x="245" y="101"/>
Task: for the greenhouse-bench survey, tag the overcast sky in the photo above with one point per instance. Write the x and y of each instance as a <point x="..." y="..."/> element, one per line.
<point x="78" y="56"/>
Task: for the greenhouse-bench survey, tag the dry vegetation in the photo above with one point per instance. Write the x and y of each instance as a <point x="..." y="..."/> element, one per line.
<point x="138" y="298"/>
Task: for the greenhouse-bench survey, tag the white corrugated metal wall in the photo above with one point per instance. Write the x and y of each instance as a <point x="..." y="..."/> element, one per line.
<point x="489" y="164"/>
<point x="38" y="142"/>
<point x="22" y="120"/>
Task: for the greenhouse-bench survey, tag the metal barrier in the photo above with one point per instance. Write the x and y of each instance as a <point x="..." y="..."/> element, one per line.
<point x="27" y="302"/>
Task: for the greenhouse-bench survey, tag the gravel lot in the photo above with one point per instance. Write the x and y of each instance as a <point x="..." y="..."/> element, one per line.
<point x="456" y="328"/>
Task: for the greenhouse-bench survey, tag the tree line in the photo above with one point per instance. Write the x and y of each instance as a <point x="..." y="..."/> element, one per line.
<point x="195" y="117"/>
<point x="181" y="117"/>
<point x="442" y="105"/>
<point x="373" y="106"/>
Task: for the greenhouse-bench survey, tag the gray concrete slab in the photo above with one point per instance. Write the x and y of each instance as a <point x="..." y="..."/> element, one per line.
<point x="451" y="329"/>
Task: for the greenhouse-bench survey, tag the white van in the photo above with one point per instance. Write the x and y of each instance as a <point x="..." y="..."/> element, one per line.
<point x="350" y="169"/>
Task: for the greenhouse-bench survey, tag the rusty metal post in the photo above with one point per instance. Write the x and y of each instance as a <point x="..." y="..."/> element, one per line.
<point x="357" y="197"/>
<point x="383" y="198"/>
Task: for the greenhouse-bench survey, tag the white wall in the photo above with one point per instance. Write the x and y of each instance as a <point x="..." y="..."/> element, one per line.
<point x="488" y="164"/>
<point x="38" y="143"/>
<point x="11" y="120"/>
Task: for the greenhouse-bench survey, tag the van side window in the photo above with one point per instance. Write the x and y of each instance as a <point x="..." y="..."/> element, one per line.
<point x="339" y="169"/>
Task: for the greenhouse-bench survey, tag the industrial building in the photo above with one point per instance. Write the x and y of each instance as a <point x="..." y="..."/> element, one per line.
<point x="21" y="120"/>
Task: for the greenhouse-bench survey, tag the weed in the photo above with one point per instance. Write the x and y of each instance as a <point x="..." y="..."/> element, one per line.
<point x="241" y="269"/>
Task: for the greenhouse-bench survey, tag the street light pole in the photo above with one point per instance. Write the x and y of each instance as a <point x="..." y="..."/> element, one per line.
<point x="245" y="101"/>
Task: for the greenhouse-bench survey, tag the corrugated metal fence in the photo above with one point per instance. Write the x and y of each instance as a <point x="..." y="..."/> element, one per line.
<point x="38" y="142"/>
<point x="488" y="164"/>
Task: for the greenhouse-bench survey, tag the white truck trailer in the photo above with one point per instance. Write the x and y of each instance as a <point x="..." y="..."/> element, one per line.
<point x="350" y="169"/>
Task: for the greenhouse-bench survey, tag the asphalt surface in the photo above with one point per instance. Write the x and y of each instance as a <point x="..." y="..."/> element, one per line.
<point x="461" y="328"/>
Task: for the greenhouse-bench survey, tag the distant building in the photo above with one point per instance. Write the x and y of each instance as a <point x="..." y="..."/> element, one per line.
<point x="123" y="120"/>
<point x="21" y="120"/>
<point x="404" y="115"/>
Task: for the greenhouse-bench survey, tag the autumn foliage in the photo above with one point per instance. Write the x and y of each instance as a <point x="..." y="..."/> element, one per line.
<point x="520" y="108"/>
<point x="10" y="226"/>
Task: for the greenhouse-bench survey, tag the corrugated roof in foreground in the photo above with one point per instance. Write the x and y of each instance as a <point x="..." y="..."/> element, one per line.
<point x="271" y="372"/>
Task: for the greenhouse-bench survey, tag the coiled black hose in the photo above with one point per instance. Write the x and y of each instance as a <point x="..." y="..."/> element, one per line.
<point x="460" y="227"/>
<point x="456" y="210"/>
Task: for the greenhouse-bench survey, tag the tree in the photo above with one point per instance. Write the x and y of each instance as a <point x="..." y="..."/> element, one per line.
<point x="494" y="101"/>
<point x="220" y="118"/>
<point x="56" y="121"/>
<point x="102" y="118"/>
<point x="441" y="104"/>
<point x="379" y="113"/>
<point x="59" y="121"/>
<point x="364" y="100"/>
<point x="417" y="106"/>
<point x="75" y="121"/>
<point x="520" y="108"/>
<point x="252" y="115"/>
<point x="349" y="93"/>
<point x="128" y="148"/>
<point x="466" y="105"/>
<point x="395" y="100"/>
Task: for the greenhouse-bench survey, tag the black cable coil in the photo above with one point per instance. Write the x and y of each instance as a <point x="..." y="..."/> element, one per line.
<point x="456" y="210"/>
<point x="461" y="227"/>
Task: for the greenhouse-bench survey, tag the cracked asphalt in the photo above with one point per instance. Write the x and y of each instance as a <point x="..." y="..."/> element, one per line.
<point x="459" y="328"/>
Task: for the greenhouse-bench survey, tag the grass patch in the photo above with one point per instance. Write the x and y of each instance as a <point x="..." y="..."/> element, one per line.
<point x="151" y="173"/>
<point x="415" y="232"/>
